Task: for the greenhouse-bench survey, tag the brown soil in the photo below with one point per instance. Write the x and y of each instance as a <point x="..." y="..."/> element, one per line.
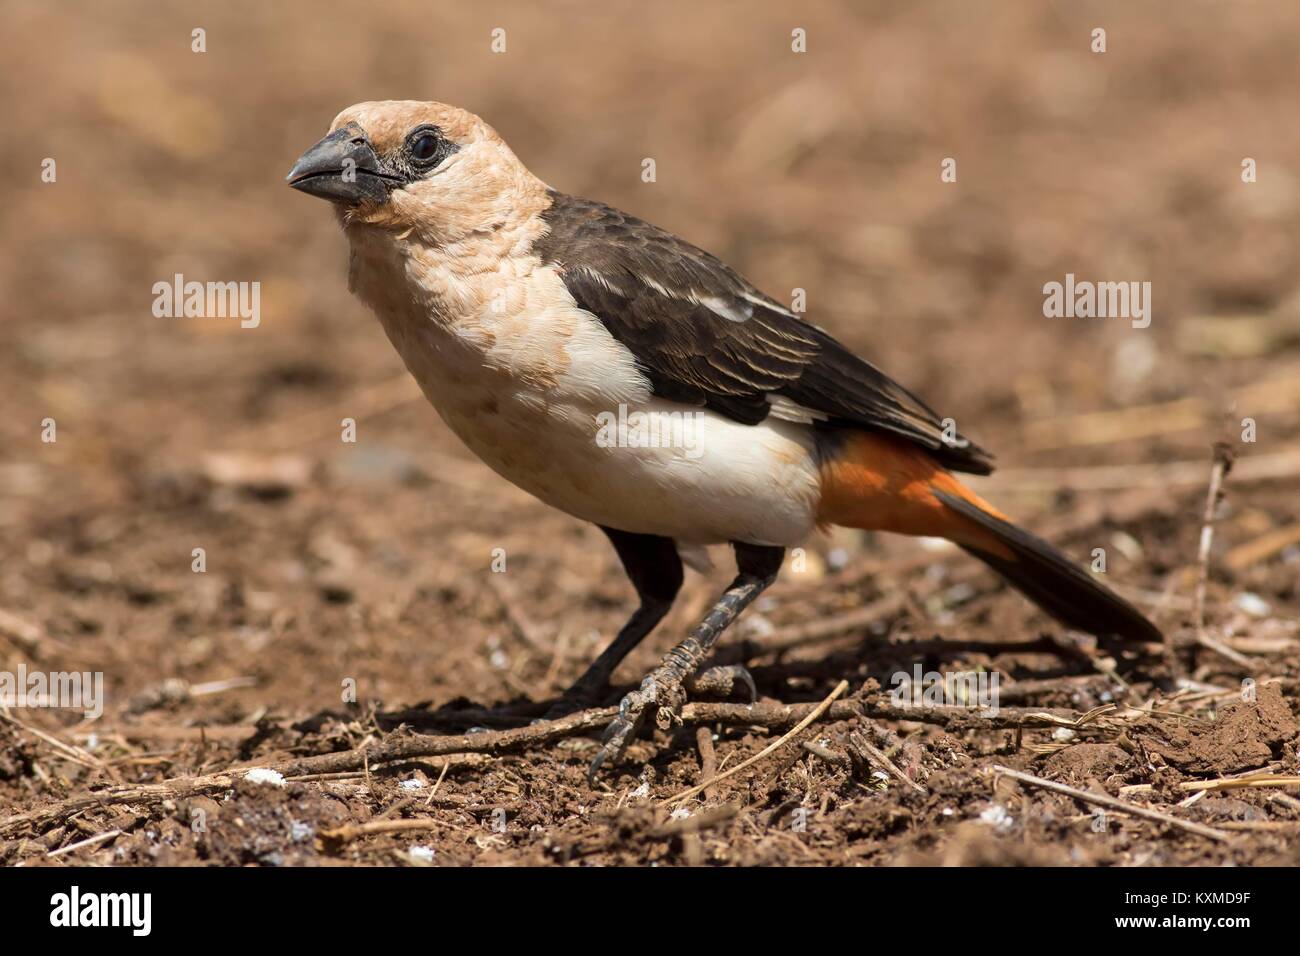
<point x="332" y="565"/>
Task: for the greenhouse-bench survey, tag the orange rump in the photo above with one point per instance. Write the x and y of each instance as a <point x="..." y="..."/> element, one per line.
<point x="880" y="483"/>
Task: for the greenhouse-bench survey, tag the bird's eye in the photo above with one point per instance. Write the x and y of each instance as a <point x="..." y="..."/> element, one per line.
<point x="424" y="147"/>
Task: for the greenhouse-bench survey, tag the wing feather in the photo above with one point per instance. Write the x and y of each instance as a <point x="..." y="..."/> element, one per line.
<point x="705" y="336"/>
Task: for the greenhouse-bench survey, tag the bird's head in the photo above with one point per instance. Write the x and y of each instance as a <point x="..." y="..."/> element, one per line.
<point x="427" y="168"/>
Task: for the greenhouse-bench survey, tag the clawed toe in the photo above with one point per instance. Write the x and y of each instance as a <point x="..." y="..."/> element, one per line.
<point x="631" y="716"/>
<point x="658" y="694"/>
<point x="721" y="681"/>
<point x="663" y="690"/>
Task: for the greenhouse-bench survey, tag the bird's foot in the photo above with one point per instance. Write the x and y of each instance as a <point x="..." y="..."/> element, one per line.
<point x="721" y="681"/>
<point x="661" y="693"/>
<point x="664" y="690"/>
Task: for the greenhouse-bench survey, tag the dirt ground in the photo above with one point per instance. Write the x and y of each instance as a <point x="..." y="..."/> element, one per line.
<point x="348" y="598"/>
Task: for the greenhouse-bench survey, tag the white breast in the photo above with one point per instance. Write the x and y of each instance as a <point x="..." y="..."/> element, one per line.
<point x="545" y="396"/>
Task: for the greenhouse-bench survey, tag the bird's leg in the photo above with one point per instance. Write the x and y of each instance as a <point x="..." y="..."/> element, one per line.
<point x="588" y="689"/>
<point x="655" y="569"/>
<point x="662" y="690"/>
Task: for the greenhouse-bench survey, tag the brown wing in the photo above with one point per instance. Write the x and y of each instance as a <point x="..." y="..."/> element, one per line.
<point x="704" y="336"/>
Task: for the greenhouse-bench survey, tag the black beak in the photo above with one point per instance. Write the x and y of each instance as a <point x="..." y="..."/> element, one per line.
<point x="343" y="168"/>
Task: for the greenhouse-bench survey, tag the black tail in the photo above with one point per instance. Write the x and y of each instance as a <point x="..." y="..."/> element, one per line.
<point x="1053" y="581"/>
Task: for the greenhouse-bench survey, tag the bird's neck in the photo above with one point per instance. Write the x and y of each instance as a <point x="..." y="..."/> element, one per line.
<point x="450" y="282"/>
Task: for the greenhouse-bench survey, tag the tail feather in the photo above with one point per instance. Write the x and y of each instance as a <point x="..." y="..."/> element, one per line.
<point x="882" y="483"/>
<point x="1053" y="581"/>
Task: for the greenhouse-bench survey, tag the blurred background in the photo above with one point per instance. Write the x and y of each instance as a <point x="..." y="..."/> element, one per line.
<point x="816" y="170"/>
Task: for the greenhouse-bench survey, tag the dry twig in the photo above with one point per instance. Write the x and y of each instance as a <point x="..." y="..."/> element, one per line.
<point x="703" y="820"/>
<point x="820" y="709"/>
<point x="708" y="758"/>
<point x="97" y="839"/>
<point x="332" y="840"/>
<point x="874" y="755"/>
<point x="1255" y="781"/>
<point x="1103" y="800"/>
<point x="1222" y="465"/>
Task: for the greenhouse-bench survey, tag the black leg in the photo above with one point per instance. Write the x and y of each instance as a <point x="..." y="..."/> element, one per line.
<point x="662" y="690"/>
<point x="655" y="569"/>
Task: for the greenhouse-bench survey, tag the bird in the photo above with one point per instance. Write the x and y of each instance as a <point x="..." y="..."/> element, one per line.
<point x="635" y="381"/>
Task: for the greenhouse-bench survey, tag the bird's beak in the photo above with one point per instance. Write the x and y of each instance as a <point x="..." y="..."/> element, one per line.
<point x="342" y="167"/>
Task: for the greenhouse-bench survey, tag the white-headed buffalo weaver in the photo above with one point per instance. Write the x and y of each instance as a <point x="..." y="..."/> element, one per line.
<point x="528" y="317"/>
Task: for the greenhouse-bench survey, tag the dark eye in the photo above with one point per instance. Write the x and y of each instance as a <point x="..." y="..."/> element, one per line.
<point x="424" y="147"/>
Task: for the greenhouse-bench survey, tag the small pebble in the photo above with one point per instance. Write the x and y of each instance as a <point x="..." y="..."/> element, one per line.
<point x="265" y="776"/>
<point x="1252" y="604"/>
<point x="997" y="816"/>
